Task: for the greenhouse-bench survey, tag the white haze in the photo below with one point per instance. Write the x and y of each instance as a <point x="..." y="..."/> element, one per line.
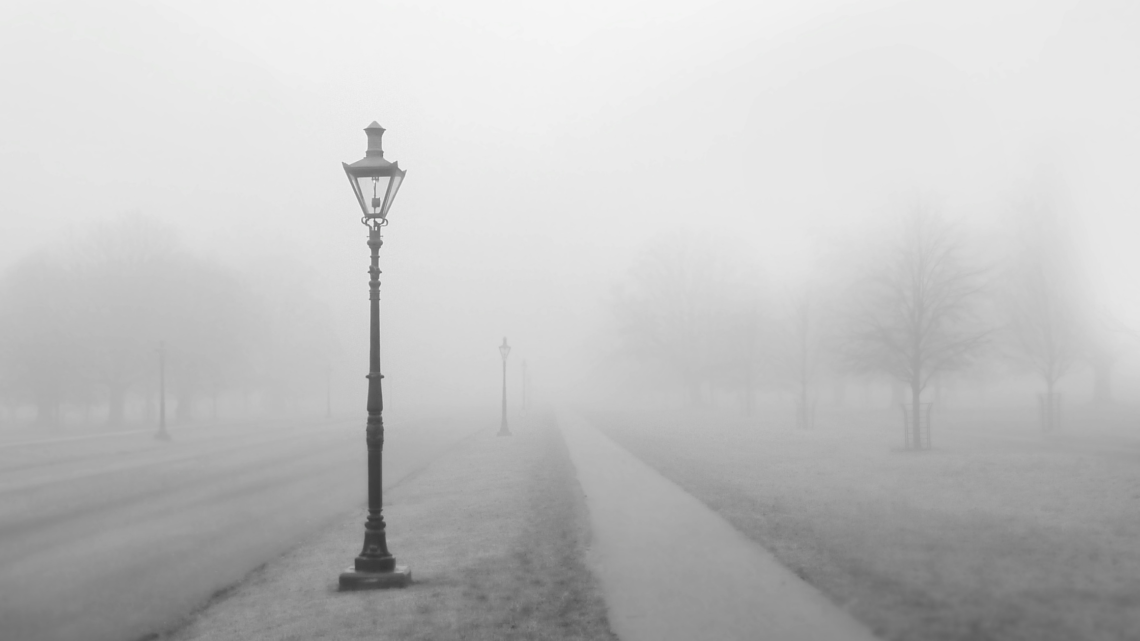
<point x="547" y="143"/>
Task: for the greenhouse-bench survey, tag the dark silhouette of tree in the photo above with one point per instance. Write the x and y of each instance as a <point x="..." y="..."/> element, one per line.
<point x="685" y="308"/>
<point x="83" y="321"/>
<point x="1102" y="352"/>
<point x="913" y="311"/>
<point x="40" y="348"/>
<point x="1044" y="298"/>
<point x="296" y="338"/>
<point x="210" y="328"/>
<point x="129" y="287"/>
<point x="799" y="346"/>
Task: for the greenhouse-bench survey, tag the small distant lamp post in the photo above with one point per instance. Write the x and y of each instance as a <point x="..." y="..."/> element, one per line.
<point x="524" y="386"/>
<point x="505" y="350"/>
<point x="162" y="434"/>
<point x="375" y="182"/>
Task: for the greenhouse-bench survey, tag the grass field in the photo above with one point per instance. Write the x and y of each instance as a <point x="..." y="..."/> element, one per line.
<point x="998" y="533"/>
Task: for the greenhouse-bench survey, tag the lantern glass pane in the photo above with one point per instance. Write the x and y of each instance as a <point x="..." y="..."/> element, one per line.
<point x="373" y="190"/>
<point x="393" y="187"/>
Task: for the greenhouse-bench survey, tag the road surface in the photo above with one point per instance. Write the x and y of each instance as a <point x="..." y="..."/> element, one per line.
<point x="115" y="537"/>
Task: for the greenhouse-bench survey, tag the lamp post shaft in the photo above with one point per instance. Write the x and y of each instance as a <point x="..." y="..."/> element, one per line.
<point x="375" y="556"/>
<point x="161" y="388"/>
<point x="504" y="350"/>
<point x="524" y="386"/>
<point x="162" y="434"/>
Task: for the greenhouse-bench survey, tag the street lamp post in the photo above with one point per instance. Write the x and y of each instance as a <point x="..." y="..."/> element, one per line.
<point x="162" y="434"/>
<point x="375" y="182"/>
<point x="524" y="390"/>
<point x="504" y="350"/>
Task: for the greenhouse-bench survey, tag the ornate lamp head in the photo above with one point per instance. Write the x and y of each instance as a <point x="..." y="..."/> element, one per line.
<point x="374" y="180"/>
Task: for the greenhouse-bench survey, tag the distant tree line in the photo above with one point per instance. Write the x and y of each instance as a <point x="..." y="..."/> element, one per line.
<point x="918" y="298"/>
<point x="81" y="326"/>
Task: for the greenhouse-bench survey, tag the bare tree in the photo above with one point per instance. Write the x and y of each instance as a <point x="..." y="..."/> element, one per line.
<point x="1105" y="341"/>
<point x="739" y="332"/>
<point x="89" y="316"/>
<point x="1043" y="299"/>
<point x="799" y="347"/>
<point x="296" y="334"/>
<point x="682" y="299"/>
<point x="209" y="330"/>
<point x="39" y="338"/>
<point x="913" y="311"/>
<point x="127" y="286"/>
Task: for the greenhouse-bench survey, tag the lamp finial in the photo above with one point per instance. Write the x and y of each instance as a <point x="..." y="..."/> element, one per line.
<point x="375" y="139"/>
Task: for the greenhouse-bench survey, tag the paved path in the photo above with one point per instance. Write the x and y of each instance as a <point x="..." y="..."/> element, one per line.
<point x="671" y="568"/>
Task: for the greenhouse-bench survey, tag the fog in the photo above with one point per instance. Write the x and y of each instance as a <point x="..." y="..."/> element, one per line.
<point x="728" y="208"/>
<point x="547" y="146"/>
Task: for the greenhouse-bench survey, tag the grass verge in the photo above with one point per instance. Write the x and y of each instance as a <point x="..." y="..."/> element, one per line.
<point x="989" y="536"/>
<point x="494" y="533"/>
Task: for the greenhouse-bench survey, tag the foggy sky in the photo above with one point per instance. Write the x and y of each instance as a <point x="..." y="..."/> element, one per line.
<point x="546" y="143"/>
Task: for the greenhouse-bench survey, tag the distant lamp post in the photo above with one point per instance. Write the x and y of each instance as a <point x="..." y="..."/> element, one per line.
<point x="505" y="350"/>
<point x="375" y="182"/>
<point x="162" y="434"/>
<point x="524" y="388"/>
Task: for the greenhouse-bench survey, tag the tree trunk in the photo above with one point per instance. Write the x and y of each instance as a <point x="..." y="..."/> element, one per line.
<point x="916" y="416"/>
<point x="1050" y="419"/>
<point x="805" y="415"/>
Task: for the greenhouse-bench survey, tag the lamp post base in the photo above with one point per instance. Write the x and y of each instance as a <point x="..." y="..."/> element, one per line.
<point x="504" y="432"/>
<point x="352" y="579"/>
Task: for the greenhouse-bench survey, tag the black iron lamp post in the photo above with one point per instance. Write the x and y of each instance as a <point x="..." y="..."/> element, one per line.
<point x="375" y="182"/>
<point x="505" y="350"/>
